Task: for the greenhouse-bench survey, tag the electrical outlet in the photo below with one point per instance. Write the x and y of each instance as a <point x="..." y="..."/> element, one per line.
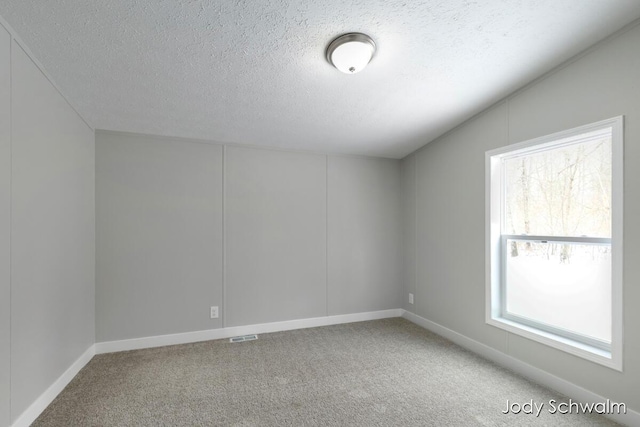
<point x="410" y="298"/>
<point x="214" y="311"/>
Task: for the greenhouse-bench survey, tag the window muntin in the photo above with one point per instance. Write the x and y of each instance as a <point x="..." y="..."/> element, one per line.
<point x="554" y="268"/>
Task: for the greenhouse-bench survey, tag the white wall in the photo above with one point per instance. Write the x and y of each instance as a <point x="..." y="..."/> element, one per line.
<point x="450" y="208"/>
<point x="159" y="241"/>
<point x="5" y="225"/>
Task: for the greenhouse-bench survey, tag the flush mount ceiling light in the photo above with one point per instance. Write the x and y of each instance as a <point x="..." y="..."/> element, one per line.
<point x="351" y="52"/>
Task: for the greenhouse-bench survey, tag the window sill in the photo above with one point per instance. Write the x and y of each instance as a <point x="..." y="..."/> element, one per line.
<point x="584" y="351"/>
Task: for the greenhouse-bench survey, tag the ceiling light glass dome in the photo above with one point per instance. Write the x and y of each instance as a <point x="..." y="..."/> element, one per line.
<point x="351" y="52"/>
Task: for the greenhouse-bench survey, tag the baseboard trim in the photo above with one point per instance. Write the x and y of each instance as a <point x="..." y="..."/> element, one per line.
<point x="41" y="403"/>
<point x="263" y="328"/>
<point x="631" y="418"/>
<point x="577" y="393"/>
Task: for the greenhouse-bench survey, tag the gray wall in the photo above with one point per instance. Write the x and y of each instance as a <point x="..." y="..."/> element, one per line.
<point x="450" y="208"/>
<point x="52" y="233"/>
<point x="364" y="234"/>
<point x="276" y="236"/>
<point x="159" y="236"/>
<point x="5" y="224"/>
<point x="161" y="240"/>
<point x="408" y="273"/>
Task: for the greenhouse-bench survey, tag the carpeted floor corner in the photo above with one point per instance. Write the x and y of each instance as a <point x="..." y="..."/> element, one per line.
<point x="379" y="373"/>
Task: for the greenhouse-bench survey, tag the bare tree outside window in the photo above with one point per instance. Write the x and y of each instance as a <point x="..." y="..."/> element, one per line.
<point x="561" y="192"/>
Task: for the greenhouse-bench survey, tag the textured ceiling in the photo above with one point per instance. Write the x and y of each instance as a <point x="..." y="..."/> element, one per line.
<point x="253" y="71"/>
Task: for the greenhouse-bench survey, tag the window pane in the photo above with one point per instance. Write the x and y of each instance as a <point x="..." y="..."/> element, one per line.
<point x="564" y="285"/>
<point x="564" y="191"/>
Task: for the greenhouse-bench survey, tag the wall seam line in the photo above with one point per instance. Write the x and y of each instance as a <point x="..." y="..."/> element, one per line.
<point x="224" y="237"/>
<point x="10" y="225"/>
<point x="326" y="231"/>
<point x="507" y="115"/>
<point x="415" y="234"/>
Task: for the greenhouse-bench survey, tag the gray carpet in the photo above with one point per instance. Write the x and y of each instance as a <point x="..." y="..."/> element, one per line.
<point x="379" y="373"/>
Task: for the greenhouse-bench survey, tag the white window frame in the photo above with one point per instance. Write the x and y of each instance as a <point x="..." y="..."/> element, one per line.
<point x="593" y="350"/>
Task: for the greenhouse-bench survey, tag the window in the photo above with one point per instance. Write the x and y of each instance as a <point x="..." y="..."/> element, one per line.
<point x="554" y="236"/>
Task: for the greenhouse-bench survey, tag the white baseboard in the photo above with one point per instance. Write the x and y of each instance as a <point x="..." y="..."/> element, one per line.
<point x="575" y="392"/>
<point x="631" y="418"/>
<point x="41" y="403"/>
<point x="215" y="334"/>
